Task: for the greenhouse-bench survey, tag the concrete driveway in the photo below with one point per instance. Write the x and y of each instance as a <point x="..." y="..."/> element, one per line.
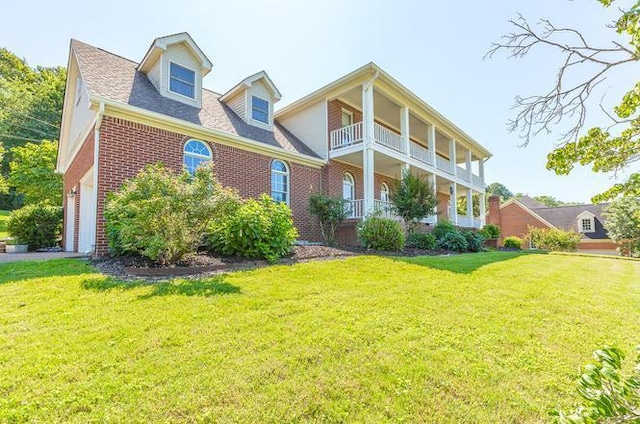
<point x="38" y="256"/>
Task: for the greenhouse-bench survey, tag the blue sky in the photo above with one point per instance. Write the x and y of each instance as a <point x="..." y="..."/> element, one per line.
<point x="434" y="48"/>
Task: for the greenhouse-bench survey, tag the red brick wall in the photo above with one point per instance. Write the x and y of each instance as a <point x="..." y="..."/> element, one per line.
<point x="597" y="246"/>
<point x="126" y="147"/>
<point x="514" y="221"/>
<point x="335" y="114"/>
<point x="82" y="162"/>
<point x="443" y="205"/>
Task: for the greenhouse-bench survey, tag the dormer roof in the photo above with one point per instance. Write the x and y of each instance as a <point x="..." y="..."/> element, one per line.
<point x="160" y="44"/>
<point x="248" y="82"/>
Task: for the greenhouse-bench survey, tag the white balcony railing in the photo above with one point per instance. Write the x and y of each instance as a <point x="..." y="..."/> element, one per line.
<point x="346" y="136"/>
<point x="388" y="138"/>
<point x="354" y="208"/>
<point x="431" y="220"/>
<point x="469" y="221"/>
<point x="385" y="209"/>
<point x="463" y="174"/>
<point x="476" y="180"/>
<point x="444" y="165"/>
<point x="420" y="153"/>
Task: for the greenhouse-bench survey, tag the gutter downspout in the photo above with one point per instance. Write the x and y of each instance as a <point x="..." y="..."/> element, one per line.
<point x="96" y="162"/>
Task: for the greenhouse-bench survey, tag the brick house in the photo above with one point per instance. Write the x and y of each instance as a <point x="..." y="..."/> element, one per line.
<point x="351" y="138"/>
<point x="516" y="215"/>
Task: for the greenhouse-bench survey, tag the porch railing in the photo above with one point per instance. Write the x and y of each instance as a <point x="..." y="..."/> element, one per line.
<point x="469" y="221"/>
<point x="476" y="180"/>
<point x="444" y="165"/>
<point x="463" y="174"/>
<point x="385" y="209"/>
<point x="420" y="153"/>
<point x="388" y="138"/>
<point x="354" y="208"/>
<point x="346" y="136"/>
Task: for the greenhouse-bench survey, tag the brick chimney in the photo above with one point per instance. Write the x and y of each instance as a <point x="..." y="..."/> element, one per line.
<point x="494" y="212"/>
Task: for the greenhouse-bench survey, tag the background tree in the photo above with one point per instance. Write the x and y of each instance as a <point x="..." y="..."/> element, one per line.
<point x="623" y="223"/>
<point x="33" y="173"/>
<point x="608" y="148"/>
<point x="552" y="202"/>
<point x="413" y="199"/>
<point x="462" y="205"/>
<point x="499" y="189"/>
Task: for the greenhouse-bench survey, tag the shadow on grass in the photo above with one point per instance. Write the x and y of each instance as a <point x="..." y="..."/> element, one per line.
<point x="465" y="263"/>
<point x="11" y="272"/>
<point x="205" y="288"/>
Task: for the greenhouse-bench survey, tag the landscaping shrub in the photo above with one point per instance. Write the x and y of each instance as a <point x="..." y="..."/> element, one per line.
<point x="455" y="241"/>
<point x="381" y="234"/>
<point x="475" y="241"/>
<point x="38" y="225"/>
<point x="164" y="215"/>
<point x="330" y="212"/>
<point x="512" y="242"/>
<point x="259" y="229"/>
<point x="413" y="198"/>
<point x="554" y="239"/>
<point x="425" y="241"/>
<point x="442" y="228"/>
<point x="490" y="232"/>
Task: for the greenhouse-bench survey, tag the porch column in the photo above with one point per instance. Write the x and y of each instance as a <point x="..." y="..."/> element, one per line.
<point x="431" y="144"/>
<point x="467" y="164"/>
<point x="434" y="187"/>
<point x="367" y="150"/>
<point x="454" y="204"/>
<point x="470" y="205"/>
<point x="452" y="155"/>
<point x="481" y="170"/>
<point x="483" y="211"/>
<point x="404" y="130"/>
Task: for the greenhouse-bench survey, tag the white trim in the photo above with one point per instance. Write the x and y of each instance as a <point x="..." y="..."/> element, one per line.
<point x="70" y="222"/>
<point x="269" y="112"/>
<point x="348" y="112"/>
<point x="87" y="219"/>
<point x="160" y="44"/>
<point x="384" y="189"/>
<point x="195" y="77"/>
<point x="287" y="174"/>
<point x="248" y="82"/>
<point x="208" y="158"/>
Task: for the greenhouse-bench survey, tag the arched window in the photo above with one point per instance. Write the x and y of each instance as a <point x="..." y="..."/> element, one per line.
<point x="279" y="181"/>
<point x="348" y="187"/>
<point x="384" y="192"/>
<point x="195" y="154"/>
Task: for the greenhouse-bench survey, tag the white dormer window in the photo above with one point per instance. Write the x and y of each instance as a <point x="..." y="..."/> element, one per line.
<point x="182" y="80"/>
<point x="587" y="225"/>
<point x="259" y="109"/>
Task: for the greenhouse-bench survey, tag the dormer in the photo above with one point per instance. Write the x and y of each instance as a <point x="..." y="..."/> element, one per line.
<point x="586" y="222"/>
<point x="175" y="65"/>
<point x="253" y="99"/>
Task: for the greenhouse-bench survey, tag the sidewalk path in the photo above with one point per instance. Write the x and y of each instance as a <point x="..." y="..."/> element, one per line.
<point x="38" y="256"/>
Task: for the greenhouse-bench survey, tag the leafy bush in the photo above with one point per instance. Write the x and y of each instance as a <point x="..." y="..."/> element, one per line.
<point x="413" y="198"/>
<point x="163" y="215"/>
<point x="381" y="234"/>
<point x="259" y="229"/>
<point x="490" y="232"/>
<point x="554" y="239"/>
<point x="425" y="241"/>
<point x="330" y="212"/>
<point x="512" y="242"/>
<point x="455" y="241"/>
<point x="608" y="397"/>
<point x="442" y="228"/>
<point x="475" y="241"/>
<point x="38" y="225"/>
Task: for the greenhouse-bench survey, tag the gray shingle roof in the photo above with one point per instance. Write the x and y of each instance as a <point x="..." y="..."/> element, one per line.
<point x="530" y="202"/>
<point x="567" y="217"/>
<point x="116" y="78"/>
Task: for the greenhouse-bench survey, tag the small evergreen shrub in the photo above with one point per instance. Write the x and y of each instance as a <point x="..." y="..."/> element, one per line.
<point x="512" y="242"/>
<point x="554" y="239"/>
<point x="442" y="228"/>
<point x="330" y="212"/>
<point x="490" y="232"/>
<point x="454" y="241"/>
<point x="475" y="241"/>
<point x="381" y="234"/>
<point x="425" y="241"/>
<point x="38" y="225"/>
<point x="259" y="229"/>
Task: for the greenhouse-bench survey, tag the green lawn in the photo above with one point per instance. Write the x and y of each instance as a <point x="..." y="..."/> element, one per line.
<point x="492" y="337"/>
<point x="4" y="219"/>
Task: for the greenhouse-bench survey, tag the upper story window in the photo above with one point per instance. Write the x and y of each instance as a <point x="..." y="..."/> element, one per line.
<point x="182" y="80"/>
<point x="346" y="118"/>
<point x="587" y="225"/>
<point x="384" y="192"/>
<point x="259" y="109"/>
<point x="196" y="153"/>
<point x="279" y="181"/>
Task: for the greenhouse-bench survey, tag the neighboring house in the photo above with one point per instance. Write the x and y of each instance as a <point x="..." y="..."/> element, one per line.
<point x="516" y="215"/>
<point x="351" y="138"/>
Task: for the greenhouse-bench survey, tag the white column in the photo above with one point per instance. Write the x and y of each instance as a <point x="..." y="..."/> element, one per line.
<point x="432" y="181"/>
<point x="483" y="212"/>
<point x="469" y="203"/>
<point x="468" y="162"/>
<point x="431" y="144"/>
<point x="367" y="151"/>
<point x="454" y="204"/>
<point x="404" y="130"/>
<point x="481" y="171"/>
<point x="452" y="155"/>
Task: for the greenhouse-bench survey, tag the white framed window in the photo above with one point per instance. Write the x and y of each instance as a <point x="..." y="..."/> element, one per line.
<point x="182" y="80"/>
<point x="259" y="109"/>
<point x="349" y="193"/>
<point x="346" y="118"/>
<point x="587" y="225"/>
<point x="196" y="153"/>
<point x="279" y="181"/>
<point x="384" y="192"/>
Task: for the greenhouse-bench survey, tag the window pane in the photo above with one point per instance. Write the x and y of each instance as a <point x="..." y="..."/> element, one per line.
<point x="260" y="109"/>
<point x="182" y="88"/>
<point x="183" y="74"/>
<point x="182" y="80"/>
<point x="277" y="165"/>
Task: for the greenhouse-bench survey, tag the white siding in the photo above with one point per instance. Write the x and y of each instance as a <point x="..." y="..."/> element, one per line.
<point x="155" y="75"/>
<point x="260" y="90"/>
<point x="181" y="55"/>
<point x="238" y="105"/>
<point x="310" y="126"/>
<point x="81" y="117"/>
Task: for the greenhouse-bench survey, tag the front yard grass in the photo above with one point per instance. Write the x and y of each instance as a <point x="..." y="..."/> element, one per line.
<point x="491" y="337"/>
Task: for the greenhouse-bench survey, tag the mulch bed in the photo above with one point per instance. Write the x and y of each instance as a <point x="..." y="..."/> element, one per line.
<point x="206" y="264"/>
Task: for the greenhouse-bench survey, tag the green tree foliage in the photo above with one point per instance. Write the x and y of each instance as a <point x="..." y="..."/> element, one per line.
<point x="622" y="221"/>
<point x="462" y="205"/>
<point x="498" y="189"/>
<point x="330" y="211"/>
<point x="163" y="215"/>
<point x="608" y="148"/>
<point x="413" y="199"/>
<point x="552" y="202"/>
<point x="33" y="173"/>
<point x="608" y="396"/>
<point x="4" y="187"/>
<point x="37" y="225"/>
<point x="554" y="239"/>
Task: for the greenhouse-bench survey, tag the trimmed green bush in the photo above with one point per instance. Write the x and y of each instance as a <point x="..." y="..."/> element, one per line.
<point x="164" y="215"/>
<point x="512" y="242"/>
<point x="37" y="225"/>
<point x="475" y="241"/>
<point x="442" y="228"/>
<point x="554" y="239"/>
<point x="330" y="212"/>
<point x="425" y="241"/>
<point x="259" y="229"/>
<point x="454" y="241"/>
<point x="381" y="234"/>
<point x="490" y="232"/>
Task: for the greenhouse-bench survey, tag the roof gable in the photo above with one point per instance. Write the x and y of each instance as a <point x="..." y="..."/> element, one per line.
<point x="248" y="82"/>
<point x="515" y="202"/>
<point x="160" y="44"/>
